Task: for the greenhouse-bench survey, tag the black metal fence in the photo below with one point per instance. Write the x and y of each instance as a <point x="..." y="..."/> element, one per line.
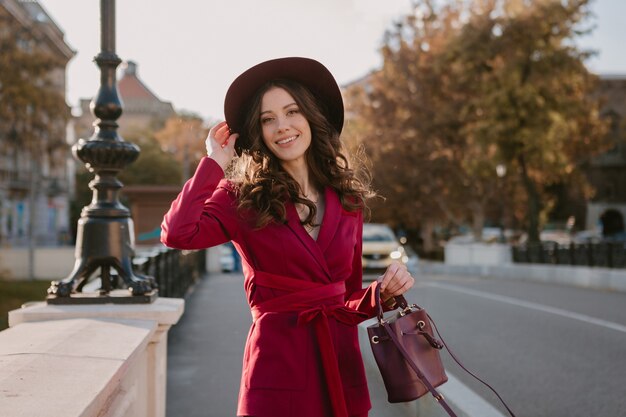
<point x="175" y="270"/>
<point x="606" y="254"/>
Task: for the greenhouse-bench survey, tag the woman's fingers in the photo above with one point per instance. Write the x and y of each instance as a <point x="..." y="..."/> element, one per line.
<point x="388" y="275"/>
<point x="405" y="287"/>
<point x="394" y="272"/>
<point x="220" y="144"/>
<point x="396" y="281"/>
<point x="213" y="131"/>
<point x="219" y="133"/>
<point x="229" y="144"/>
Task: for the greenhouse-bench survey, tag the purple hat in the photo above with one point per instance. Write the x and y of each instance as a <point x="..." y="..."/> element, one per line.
<point x="308" y="72"/>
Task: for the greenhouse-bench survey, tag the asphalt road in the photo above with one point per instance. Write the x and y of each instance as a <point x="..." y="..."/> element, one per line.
<point x="205" y="351"/>
<point x="549" y="350"/>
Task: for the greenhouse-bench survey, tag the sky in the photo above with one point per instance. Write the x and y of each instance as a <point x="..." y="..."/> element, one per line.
<point x="189" y="51"/>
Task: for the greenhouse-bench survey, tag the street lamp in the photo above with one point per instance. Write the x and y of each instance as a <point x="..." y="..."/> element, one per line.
<point x="501" y="172"/>
<point x="105" y="237"/>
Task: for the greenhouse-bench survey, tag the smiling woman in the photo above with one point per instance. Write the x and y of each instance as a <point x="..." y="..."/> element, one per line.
<point x="286" y="132"/>
<point x="293" y="208"/>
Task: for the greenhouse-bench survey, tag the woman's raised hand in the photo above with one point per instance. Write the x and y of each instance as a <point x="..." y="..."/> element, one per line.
<point x="220" y="144"/>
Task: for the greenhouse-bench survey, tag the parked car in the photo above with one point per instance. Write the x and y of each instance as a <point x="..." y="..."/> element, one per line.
<point x="557" y="237"/>
<point x="227" y="258"/>
<point x="381" y="247"/>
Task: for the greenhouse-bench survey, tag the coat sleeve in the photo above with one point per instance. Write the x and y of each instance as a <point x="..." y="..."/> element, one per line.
<point x="358" y="298"/>
<point x="204" y="214"/>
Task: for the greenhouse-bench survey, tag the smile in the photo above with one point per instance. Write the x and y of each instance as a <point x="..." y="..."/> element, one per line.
<point x="287" y="140"/>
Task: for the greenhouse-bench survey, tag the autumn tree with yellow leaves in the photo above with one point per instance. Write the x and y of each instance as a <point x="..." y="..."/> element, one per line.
<point x="471" y="86"/>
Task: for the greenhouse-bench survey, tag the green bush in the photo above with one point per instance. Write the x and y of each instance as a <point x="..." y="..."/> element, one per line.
<point x="15" y="293"/>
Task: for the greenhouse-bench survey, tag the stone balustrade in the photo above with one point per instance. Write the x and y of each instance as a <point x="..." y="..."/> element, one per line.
<point x="88" y="360"/>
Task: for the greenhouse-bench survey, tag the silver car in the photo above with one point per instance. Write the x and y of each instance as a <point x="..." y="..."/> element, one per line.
<point x="381" y="247"/>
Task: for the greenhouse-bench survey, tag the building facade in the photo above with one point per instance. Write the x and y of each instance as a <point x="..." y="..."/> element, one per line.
<point x="141" y="109"/>
<point x="606" y="211"/>
<point x="35" y="189"/>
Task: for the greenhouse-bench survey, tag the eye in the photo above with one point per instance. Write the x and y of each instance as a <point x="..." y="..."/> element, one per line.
<point x="293" y="111"/>
<point x="266" y="120"/>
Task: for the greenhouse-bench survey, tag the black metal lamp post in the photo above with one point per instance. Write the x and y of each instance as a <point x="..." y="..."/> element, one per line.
<point x="105" y="229"/>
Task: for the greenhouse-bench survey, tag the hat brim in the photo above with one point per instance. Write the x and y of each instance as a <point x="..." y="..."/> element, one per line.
<point x="308" y="72"/>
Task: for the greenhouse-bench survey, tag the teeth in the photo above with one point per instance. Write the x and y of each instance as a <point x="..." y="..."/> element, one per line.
<point x="287" y="140"/>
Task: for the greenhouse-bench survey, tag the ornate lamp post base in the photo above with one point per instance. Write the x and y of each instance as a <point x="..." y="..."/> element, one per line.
<point x="114" y="297"/>
<point x="103" y="243"/>
<point x="105" y="230"/>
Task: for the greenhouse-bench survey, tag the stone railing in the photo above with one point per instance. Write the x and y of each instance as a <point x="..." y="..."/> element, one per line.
<point x="174" y="270"/>
<point x="605" y="254"/>
<point x="86" y="360"/>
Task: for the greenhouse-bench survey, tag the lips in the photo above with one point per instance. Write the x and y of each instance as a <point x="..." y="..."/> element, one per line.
<point x="287" y="140"/>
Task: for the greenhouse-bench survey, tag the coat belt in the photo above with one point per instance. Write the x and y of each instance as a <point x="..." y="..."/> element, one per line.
<point x="315" y="303"/>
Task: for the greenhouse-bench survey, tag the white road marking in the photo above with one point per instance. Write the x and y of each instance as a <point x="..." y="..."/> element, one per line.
<point x="531" y="305"/>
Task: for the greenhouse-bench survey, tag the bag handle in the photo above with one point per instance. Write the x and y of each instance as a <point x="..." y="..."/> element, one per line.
<point x="402" y="304"/>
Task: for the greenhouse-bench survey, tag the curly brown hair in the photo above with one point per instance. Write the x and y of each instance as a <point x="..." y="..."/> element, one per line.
<point x="264" y="186"/>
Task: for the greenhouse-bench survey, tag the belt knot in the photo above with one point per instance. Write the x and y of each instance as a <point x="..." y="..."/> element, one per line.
<point x="307" y="316"/>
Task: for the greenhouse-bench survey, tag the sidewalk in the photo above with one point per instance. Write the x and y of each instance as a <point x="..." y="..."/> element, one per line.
<point x="206" y="349"/>
<point x="605" y="279"/>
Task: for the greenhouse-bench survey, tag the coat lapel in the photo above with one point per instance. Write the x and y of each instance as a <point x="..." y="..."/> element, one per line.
<point x="330" y="222"/>
<point x="332" y="216"/>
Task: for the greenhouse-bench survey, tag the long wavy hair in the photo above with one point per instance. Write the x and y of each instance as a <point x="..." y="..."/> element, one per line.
<point x="264" y="186"/>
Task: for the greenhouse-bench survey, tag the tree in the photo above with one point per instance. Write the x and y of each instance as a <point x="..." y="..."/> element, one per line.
<point x="482" y="83"/>
<point x="538" y="106"/>
<point x="407" y="117"/>
<point x="183" y="136"/>
<point x="33" y="112"/>
<point x="154" y="166"/>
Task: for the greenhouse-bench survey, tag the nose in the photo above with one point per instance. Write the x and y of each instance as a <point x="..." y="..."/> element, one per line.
<point x="283" y="124"/>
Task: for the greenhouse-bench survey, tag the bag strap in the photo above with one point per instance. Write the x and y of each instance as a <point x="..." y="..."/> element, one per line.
<point x="402" y="303"/>
<point x="467" y="370"/>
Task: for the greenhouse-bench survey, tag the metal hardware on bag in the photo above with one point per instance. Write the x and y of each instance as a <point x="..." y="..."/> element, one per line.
<point x="439" y="397"/>
<point x="421" y="324"/>
<point x="405" y="311"/>
<point x="375" y="339"/>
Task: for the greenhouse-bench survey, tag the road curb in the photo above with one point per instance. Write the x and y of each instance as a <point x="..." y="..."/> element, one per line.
<point x="464" y="401"/>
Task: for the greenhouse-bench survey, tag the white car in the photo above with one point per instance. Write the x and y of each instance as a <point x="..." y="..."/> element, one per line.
<point x="227" y="258"/>
<point x="381" y="247"/>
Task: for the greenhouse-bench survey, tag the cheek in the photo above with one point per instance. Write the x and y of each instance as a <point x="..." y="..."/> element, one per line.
<point x="308" y="127"/>
<point x="265" y="134"/>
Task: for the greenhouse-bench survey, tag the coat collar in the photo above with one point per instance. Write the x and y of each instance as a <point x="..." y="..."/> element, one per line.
<point x="330" y="222"/>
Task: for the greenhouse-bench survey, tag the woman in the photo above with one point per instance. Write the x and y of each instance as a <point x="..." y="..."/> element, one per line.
<point x="293" y="210"/>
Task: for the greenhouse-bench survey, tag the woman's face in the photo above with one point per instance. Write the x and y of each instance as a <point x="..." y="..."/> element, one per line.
<point x="286" y="132"/>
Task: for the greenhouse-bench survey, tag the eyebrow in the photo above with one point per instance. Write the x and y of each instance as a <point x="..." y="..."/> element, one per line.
<point x="269" y="111"/>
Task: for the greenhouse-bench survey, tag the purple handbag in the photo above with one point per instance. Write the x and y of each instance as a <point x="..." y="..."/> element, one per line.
<point x="407" y="354"/>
